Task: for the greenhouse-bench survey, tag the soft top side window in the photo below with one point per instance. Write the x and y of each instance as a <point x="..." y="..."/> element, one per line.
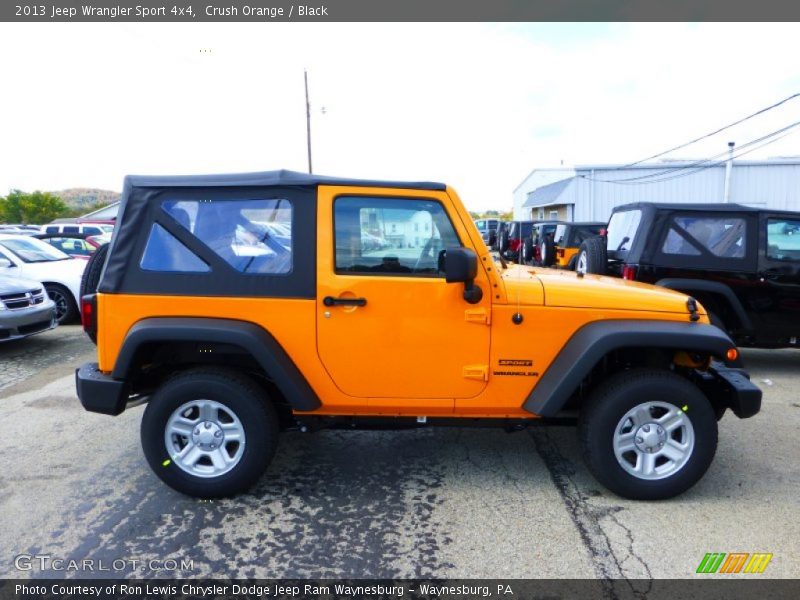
<point x="253" y="236"/>
<point x="723" y="236"/>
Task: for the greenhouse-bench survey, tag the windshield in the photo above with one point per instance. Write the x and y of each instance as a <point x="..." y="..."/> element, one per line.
<point x="31" y="250"/>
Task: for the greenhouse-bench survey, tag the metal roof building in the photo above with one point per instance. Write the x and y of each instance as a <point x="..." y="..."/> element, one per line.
<point x="589" y="192"/>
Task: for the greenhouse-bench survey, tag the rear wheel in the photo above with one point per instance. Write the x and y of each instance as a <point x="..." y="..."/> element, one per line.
<point x="91" y="278"/>
<point x="527" y="250"/>
<point x="592" y="256"/>
<point x="91" y="274"/>
<point x="502" y="241"/>
<point x="547" y="252"/>
<point x="648" y="434"/>
<point x="209" y="433"/>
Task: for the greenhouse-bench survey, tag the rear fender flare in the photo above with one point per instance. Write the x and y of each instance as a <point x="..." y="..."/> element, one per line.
<point x="713" y="287"/>
<point x="255" y="340"/>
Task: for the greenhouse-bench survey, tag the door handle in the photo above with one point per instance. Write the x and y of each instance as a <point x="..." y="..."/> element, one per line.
<point x="331" y="301"/>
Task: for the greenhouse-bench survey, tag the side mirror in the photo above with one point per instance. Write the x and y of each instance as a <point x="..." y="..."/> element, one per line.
<point x="461" y="266"/>
<point x="5" y="263"/>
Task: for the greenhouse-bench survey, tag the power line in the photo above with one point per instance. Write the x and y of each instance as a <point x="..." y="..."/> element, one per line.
<point x="700" y="166"/>
<point x="708" y="135"/>
<point x="692" y="165"/>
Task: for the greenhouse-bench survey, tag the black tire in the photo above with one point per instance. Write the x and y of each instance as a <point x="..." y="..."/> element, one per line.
<point x="91" y="274"/>
<point x="66" y="306"/>
<point x="592" y="254"/>
<point x="502" y="242"/>
<point x="527" y="250"/>
<point x="601" y="416"/>
<point x="236" y="393"/>
<point x="547" y="252"/>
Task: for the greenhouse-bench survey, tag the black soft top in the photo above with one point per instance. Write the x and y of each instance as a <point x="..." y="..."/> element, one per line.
<point x="142" y="197"/>
<point x="689" y="206"/>
<point x="282" y="178"/>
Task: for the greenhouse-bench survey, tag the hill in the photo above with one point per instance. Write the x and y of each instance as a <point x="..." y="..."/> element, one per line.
<point x="86" y="198"/>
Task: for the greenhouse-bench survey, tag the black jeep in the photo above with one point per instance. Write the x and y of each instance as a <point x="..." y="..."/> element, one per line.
<point x="741" y="263"/>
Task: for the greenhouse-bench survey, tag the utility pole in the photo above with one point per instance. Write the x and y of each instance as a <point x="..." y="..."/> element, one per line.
<point x="308" y="122"/>
<point x="728" y="167"/>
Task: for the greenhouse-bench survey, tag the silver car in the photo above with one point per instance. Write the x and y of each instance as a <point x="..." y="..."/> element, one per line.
<point x="25" y="309"/>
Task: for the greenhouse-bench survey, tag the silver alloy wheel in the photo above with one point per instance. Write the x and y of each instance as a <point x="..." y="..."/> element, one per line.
<point x="204" y="438"/>
<point x="653" y="440"/>
<point x="61" y="302"/>
<point x="580" y="267"/>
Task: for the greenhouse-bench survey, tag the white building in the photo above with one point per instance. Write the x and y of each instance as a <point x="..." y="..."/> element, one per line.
<point x="588" y="193"/>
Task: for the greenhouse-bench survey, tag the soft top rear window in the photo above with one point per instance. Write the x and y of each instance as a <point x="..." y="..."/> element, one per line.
<point x="622" y="228"/>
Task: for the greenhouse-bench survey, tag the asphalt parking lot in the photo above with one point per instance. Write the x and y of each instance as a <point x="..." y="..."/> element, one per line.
<point x="423" y="503"/>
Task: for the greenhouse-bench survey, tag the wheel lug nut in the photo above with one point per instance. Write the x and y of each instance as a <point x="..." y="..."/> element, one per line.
<point x="646" y="428"/>
<point x="197" y="431"/>
<point x="660" y="431"/>
<point x="217" y="434"/>
<point x="208" y="425"/>
<point x="213" y="446"/>
<point x="639" y="440"/>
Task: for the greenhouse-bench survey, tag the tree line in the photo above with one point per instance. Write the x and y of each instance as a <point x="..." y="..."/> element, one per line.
<point x="37" y="208"/>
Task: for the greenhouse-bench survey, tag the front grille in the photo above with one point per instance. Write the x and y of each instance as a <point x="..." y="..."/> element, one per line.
<point x="33" y="327"/>
<point x="21" y="300"/>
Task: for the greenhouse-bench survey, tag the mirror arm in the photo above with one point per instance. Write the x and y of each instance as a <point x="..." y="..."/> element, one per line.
<point x="472" y="293"/>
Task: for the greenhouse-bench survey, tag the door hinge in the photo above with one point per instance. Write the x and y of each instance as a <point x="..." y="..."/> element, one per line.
<point x="477" y="315"/>
<point x="480" y="372"/>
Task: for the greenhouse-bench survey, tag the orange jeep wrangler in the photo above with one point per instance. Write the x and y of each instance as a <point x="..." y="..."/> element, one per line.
<point x="238" y="306"/>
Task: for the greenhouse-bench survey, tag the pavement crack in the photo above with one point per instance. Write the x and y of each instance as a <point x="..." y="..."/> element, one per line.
<point x="608" y="566"/>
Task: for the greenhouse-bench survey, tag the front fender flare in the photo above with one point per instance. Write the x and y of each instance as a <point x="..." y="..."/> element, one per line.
<point x="593" y="341"/>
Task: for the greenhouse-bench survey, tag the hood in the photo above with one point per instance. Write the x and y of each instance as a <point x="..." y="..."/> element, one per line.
<point x="17" y="285"/>
<point x="565" y="288"/>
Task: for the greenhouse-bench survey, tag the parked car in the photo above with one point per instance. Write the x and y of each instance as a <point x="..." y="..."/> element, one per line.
<point x="560" y="248"/>
<point x="488" y="230"/>
<point x="532" y="244"/>
<point x="25" y="308"/>
<point x="229" y="348"/>
<point x="29" y="258"/>
<point x="742" y="264"/>
<point x="76" y="245"/>
<point x="511" y="239"/>
<point x="19" y="229"/>
<point x="87" y="228"/>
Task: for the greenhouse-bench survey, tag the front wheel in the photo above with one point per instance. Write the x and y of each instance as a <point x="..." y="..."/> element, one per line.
<point x="648" y="434"/>
<point x="66" y="307"/>
<point x="209" y="433"/>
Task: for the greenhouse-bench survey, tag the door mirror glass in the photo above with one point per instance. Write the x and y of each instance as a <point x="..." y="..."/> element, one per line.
<point x="5" y="263"/>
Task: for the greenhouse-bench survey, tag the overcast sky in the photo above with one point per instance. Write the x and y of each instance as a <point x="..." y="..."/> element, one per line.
<point x="477" y="106"/>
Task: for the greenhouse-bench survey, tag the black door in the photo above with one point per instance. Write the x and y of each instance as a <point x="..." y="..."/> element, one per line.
<point x="779" y="276"/>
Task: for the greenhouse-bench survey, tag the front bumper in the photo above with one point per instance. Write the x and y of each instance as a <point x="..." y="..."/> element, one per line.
<point x="733" y="389"/>
<point x="16" y="324"/>
<point x="99" y="392"/>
